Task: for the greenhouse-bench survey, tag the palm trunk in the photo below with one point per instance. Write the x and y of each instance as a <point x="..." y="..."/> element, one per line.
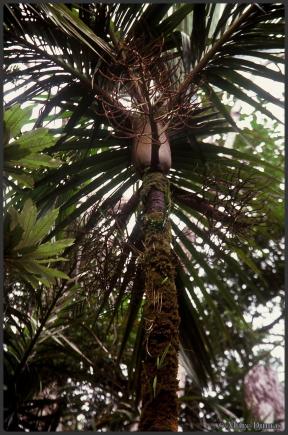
<point x="159" y="371"/>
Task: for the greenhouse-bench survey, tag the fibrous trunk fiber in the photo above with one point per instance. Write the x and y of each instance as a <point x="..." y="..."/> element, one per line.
<point x="159" y="371"/>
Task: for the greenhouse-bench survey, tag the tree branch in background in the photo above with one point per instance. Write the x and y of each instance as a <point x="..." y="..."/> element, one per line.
<point x="266" y="328"/>
<point x="128" y="208"/>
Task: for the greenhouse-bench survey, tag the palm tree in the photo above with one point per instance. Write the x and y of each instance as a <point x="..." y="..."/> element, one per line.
<point x="141" y="98"/>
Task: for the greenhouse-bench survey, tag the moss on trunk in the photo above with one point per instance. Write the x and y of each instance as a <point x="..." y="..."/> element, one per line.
<point x="159" y="372"/>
